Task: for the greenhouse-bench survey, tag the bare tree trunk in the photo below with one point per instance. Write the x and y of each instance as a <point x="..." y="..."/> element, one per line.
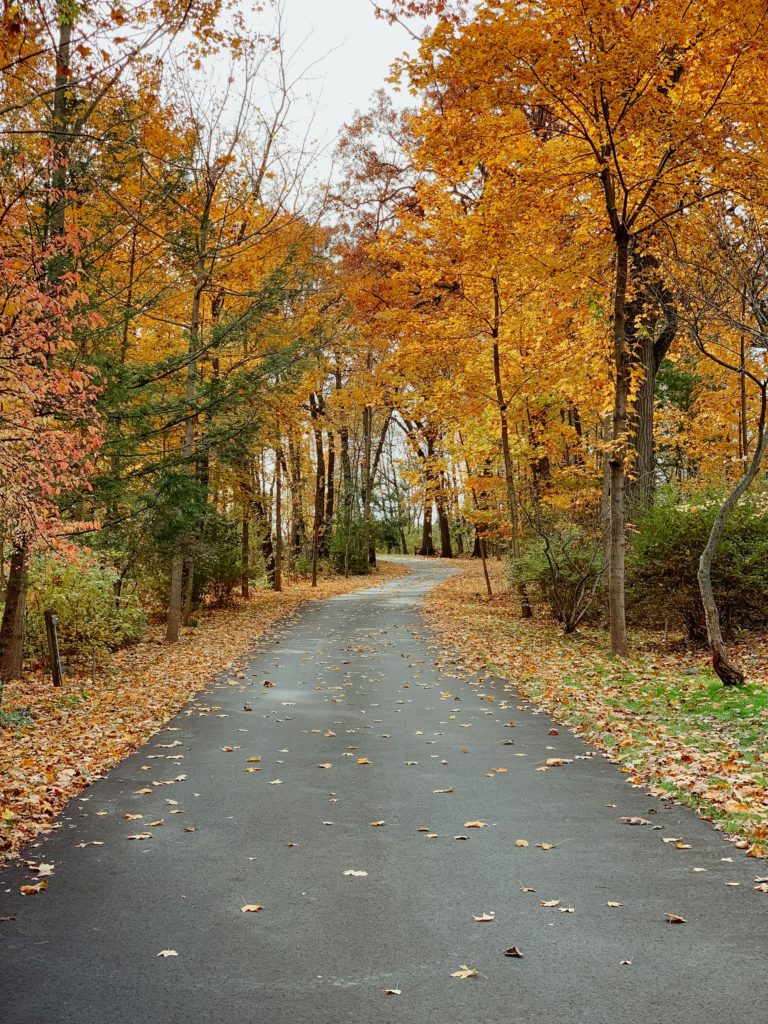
<point x="330" y="492"/>
<point x="729" y="673"/>
<point x="173" y="620"/>
<point x="509" y="476"/>
<point x="12" y="627"/>
<point x="245" y="551"/>
<point x="278" y="577"/>
<point x="485" y="565"/>
<point x="427" y="547"/>
<point x="445" y="529"/>
<point x="617" y="456"/>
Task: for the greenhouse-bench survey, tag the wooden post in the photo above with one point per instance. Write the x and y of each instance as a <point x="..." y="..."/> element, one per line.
<point x="51" y="622"/>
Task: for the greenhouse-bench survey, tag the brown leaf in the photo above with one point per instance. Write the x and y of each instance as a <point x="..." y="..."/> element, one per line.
<point x="674" y="919"/>
<point x="484" y="918"/>
<point x="251" y="908"/>
<point x="475" y="824"/>
<point x="513" y="951"/>
<point x="30" y="890"/>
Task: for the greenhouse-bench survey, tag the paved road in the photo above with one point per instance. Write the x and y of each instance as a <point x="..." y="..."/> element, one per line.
<point x="354" y="678"/>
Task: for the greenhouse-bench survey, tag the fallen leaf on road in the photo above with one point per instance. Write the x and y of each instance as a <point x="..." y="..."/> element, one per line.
<point x="449" y="790"/>
<point x="167" y="952"/>
<point x="144" y="791"/>
<point x="526" y="888"/>
<point x="635" y="821"/>
<point x="465" y="972"/>
<point x="253" y="760"/>
<point x="613" y="903"/>
<point x="251" y="908"/>
<point x="30" y="890"/>
<point x="522" y="843"/>
<point x="546" y="846"/>
<point x="140" y="835"/>
<point x="355" y="874"/>
<point x="376" y="824"/>
<point x="762" y="887"/>
<point x="268" y="682"/>
<point x="549" y="903"/>
<point x="44" y="870"/>
<point x="276" y="782"/>
<point x="513" y="951"/>
<point x="484" y="918"/>
<point x="392" y="991"/>
<point x="227" y="750"/>
<point x="674" y="919"/>
<point x="155" y="824"/>
<point x="475" y="824"/>
<point x="133" y="817"/>
<point x="557" y="762"/>
<point x="327" y="764"/>
<point x="364" y="760"/>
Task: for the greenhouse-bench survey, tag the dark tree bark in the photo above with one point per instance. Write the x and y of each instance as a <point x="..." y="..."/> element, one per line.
<point x="446" y="550"/>
<point x="330" y="494"/>
<point x="650" y="340"/>
<point x="12" y="626"/>
<point x="318" y="525"/>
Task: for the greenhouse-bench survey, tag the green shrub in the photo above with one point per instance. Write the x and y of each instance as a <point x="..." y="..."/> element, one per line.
<point x="82" y="593"/>
<point x="346" y="546"/>
<point x="217" y="555"/>
<point x="664" y="558"/>
<point x="562" y="567"/>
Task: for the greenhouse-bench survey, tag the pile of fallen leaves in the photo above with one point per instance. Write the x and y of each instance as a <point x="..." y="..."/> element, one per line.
<point x="59" y="740"/>
<point x="660" y="712"/>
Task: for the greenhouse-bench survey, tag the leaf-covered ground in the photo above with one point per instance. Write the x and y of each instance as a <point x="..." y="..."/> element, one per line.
<point x="660" y="712"/>
<point x="57" y="741"/>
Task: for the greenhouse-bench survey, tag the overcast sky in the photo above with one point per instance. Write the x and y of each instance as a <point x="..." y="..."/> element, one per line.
<point x="351" y="51"/>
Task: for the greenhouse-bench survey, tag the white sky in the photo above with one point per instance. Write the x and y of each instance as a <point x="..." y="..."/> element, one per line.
<point x="351" y="51"/>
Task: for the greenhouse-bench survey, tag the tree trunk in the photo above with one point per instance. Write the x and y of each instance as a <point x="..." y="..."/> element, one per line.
<point x="617" y="456"/>
<point x="12" y="627"/>
<point x="330" y="492"/>
<point x="651" y="346"/>
<point x="245" y="551"/>
<point x="277" y="583"/>
<point x="318" y="524"/>
<point x="525" y="604"/>
<point x="173" y="620"/>
<point x="729" y="673"/>
<point x="298" y="535"/>
<point x="427" y="547"/>
<point x="445" y="530"/>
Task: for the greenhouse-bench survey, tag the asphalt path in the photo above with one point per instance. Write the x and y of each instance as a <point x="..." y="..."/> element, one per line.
<point x="359" y="727"/>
